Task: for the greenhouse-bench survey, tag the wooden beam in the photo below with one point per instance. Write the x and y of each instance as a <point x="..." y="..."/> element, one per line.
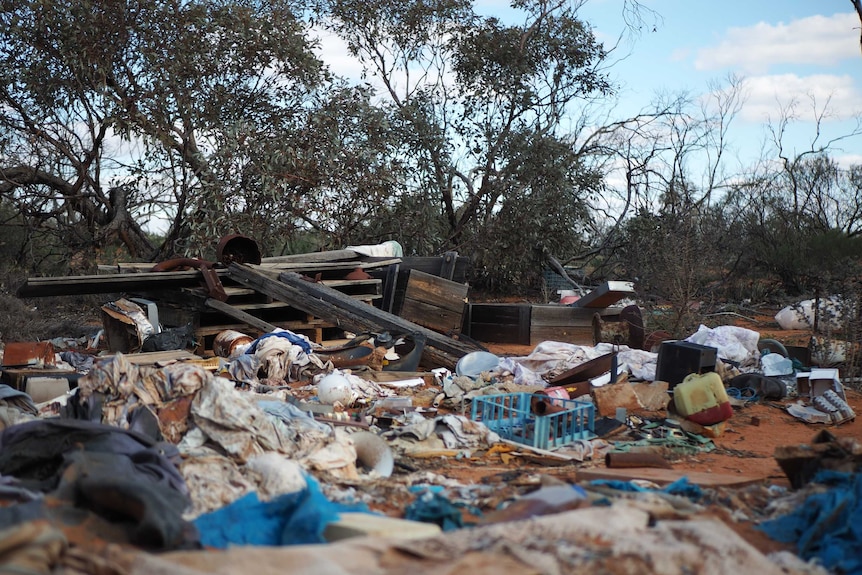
<point x="240" y="315"/>
<point x="110" y="283"/>
<point x="313" y="257"/>
<point x="348" y="313"/>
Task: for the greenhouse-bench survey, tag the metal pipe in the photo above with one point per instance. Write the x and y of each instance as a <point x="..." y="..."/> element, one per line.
<point x="617" y="459"/>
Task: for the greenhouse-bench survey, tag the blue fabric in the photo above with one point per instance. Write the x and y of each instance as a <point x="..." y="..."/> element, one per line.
<point x="679" y="487"/>
<point x="290" y="519"/>
<point x="828" y="526"/>
<point x="433" y="507"/>
<point x="288" y="335"/>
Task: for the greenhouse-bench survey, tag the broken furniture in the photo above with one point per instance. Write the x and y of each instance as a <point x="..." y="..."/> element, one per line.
<point x="585" y="322"/>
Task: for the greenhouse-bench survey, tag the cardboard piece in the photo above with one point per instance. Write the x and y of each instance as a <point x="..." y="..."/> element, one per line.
<point x="609" y="397"/>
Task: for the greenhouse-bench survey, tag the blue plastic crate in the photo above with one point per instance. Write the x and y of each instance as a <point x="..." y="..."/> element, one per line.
<point x="512" y="416"/>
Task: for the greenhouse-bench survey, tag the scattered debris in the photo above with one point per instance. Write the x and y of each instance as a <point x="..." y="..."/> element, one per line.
<point x="315" y="399"/>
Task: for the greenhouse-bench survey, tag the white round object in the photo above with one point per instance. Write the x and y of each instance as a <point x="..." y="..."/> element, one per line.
<point x="335" y="388"/>
<point x="474" y="363"/>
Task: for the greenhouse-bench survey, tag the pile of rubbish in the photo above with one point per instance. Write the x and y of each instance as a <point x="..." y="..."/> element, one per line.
<point x="301" y="457"/>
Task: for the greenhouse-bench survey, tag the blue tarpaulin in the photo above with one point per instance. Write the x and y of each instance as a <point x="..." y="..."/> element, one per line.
<point x="828" y="526"/>
<point x="290" y="519"/>
<point x="679" y="487"/>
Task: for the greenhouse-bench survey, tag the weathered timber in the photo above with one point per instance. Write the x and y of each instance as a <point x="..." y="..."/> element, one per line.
<point x="327" y="266"/>
<point x="564" y="323"/>
<point x="314" y="257"/>
<point x="606" y="295"/>
<point x="240" y="315"/>
<point x="348" y="313"/>
<point x="498" y="322"/>
<point x="112" y="283"/>
<point x="434" y="302"/>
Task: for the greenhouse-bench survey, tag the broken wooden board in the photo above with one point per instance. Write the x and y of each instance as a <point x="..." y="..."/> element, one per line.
<point x="590" y="369"/>
<point x="554" y="322"/>
<point x="667" y="476"/>
<point x="348" y="313"/>
<point x="606" y="295"/>
<point x="154" y="357"/>
<point x="434" y="302"/>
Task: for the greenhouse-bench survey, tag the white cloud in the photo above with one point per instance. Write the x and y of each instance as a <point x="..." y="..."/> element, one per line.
<point x="848" y="160"/>
<point x="819" y="40"/>
<point x="837" y="96"/>
<point x="333" y="51"/>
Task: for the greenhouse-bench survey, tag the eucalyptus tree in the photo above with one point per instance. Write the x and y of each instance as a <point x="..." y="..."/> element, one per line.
<point x="479" y="106"/>
<point x="115" y="113"/>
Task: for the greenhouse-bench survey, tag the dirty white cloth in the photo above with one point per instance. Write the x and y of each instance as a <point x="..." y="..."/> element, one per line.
<point x="736" y="344"/>
<point x="389" y="249"/>
<point x="361" y="390"/>
<point x="338" y="457"/>
<point x="275" y="475"/>
<point x="213" y="480"/>
<point x="456" y="431"/>
<point x="551" y="358"/>
<point x="232" y="420"/>
<point x="276" y="356"/>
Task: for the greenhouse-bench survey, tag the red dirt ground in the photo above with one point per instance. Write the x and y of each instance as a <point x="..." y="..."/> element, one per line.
<point x="754" y="432"/>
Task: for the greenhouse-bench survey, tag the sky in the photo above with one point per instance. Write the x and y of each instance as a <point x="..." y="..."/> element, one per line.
<point x="802" y="55"/>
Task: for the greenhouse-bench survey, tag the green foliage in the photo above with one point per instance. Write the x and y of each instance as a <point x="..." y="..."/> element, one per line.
<point x="675" y="260"/>
<point x="802" y="226"/>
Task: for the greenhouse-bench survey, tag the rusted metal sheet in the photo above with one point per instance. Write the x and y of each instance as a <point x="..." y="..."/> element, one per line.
<point x="29" y="354"/>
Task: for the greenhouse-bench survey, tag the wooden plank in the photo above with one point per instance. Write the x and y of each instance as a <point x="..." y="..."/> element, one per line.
<point x="345" y="266"/>
<point x="154" y="357"/>
<point x="499" y="313"/>
<point x="242" y="316"/>
<point x="667" y="476"/>
<point x="588" y="370"/>
<point x="447" y="268"/>
<point x="434" y="302"/>
<point x="577" y="335"/>
<point x="314" y="257"/>
<point x="347" y="313"/>
<point x="434" y="266"/>
<point x="436" y="291"/>
<point x="497" y="333"/>
<point x="498" y="322"/>
<point x="606" y="295"/>
<point x="110" y="283"/>
<point x="344" y="283"/>
<point x="431" y="316"/>
<point x="561" y="316"/>
<point x="389" y="285"/>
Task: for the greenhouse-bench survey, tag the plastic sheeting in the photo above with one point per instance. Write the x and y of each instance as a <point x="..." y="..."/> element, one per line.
<point x="828" y="525"/>
<point x="290" y="519"/>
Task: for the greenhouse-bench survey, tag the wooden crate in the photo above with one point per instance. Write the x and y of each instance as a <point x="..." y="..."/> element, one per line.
<point x="498" y="322"/>
<point x="564" y="323"/>
<point x="434" y="302"/>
